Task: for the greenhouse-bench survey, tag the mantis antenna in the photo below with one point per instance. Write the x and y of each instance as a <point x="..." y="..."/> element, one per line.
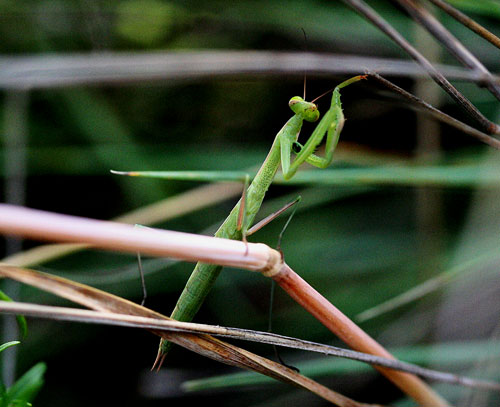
<point x="320" y="96"/>
<point x="305" y="71"/>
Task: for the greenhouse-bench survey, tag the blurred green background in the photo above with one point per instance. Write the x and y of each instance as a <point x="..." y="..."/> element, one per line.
<point x="358" y="244"/>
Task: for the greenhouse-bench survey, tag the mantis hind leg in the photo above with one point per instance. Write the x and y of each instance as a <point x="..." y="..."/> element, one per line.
<point x="241" y="222"/>
<point x="273" y="283"/>
<point x="143" y="281"/>
<point x="273" y="216"/>
<point x="141" y="272"/>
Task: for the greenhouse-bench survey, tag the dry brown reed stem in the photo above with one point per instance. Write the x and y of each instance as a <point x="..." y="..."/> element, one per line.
<point x="171" y="325"/>
<point x="205" y="345"/>
<point x="252" y="256"/>
<point x="371" y="15"/>
<point x="421" y="105"/>
<point x="467" y="21"/>
<point x="43" y="71"/>
<point x="448" y="40"/>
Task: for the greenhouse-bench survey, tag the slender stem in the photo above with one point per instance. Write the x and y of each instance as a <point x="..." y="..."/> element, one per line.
<point x="351" y="334"/>
<point x="156" y="212"/>
<point x="462" y="54"/>
<point x="119" y="68"/>
<point x="365" y="10"/>
<point x="133" y="321"/>
<point x="205" y="345"/>
<point x="421" y="104"/>
<point x="116" y="236"/>
<point x="467" y="21"/>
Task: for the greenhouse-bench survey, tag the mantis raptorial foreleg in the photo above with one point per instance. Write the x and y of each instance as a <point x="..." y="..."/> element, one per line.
<point x="204" y="275"/>
<point x="258" y="226"/>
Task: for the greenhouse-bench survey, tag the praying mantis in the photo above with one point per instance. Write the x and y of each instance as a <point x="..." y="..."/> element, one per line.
<point x="241" y="218"/>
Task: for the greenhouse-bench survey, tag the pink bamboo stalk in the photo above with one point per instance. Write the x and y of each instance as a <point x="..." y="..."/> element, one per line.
<point x="351" y="334"/>
<point x="251" y="256"/>
<point x="43" y="225"/>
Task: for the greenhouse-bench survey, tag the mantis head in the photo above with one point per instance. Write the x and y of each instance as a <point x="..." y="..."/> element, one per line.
<point x="308" y="110"/>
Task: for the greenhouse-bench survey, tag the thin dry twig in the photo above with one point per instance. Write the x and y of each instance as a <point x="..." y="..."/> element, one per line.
<point x="449" y="41"/>
<point x="426" y="107"/>
<point x="205" y="345"/>
<point x="171" y="325"/>
<point x="120" y="68"/>
<point x="371" y="15"/>
<point x="467" y="22"/>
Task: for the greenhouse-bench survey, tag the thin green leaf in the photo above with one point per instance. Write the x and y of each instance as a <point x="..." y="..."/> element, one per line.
<point x="489" y="8"/>
<point x="21" y="321"/>
<point x="28" y="385"/>
<point x="238" y="176"/>
<point x="429" y="286"/>
<point x="8" y="345"/>
<point x="412" y="175"/>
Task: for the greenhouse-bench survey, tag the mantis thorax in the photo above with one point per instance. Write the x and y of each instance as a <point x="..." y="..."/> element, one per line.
<point x="309" y="111"/>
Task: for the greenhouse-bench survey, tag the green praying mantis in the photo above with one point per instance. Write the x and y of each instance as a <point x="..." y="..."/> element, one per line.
<point x="242" y="215"/>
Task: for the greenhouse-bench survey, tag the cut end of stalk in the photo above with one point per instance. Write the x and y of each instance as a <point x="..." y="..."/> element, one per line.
<point x="127" y="173"/>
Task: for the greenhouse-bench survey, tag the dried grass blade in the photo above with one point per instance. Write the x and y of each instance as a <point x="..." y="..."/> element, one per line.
<point x="371" y="15"/>
<point x="439" y="115"/>
<point x="205" y="345"/>
<point x="448" y="40"/>
<point x="133" y="321"/>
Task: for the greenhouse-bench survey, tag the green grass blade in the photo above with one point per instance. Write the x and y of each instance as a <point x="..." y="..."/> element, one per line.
<point x="429" y="286"/>
<point x="6" y="345"/>
<point x="489" y="8"/>
<point x="449" y="176"/>
<point x="207" y="176"/>
<point x="21" y="321"/>
<point x="28" y="385"/>
<point x="442" y="176"/>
